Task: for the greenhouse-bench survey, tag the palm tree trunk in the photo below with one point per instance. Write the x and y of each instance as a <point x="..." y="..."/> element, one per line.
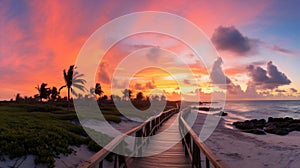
<point x="68" y="109"/>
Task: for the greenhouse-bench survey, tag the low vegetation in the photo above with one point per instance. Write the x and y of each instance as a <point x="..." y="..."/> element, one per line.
<point x="32" y="129"/>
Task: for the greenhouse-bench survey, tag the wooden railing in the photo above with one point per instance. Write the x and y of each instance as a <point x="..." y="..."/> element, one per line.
<point x="145" y="130"/>
<point x="194" y="146"/>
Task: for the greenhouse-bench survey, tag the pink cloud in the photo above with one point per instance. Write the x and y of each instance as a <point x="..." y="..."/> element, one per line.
<point x="39" y="42"/>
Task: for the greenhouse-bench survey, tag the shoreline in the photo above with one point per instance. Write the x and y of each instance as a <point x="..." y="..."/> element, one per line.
<point x="240" y="149"/>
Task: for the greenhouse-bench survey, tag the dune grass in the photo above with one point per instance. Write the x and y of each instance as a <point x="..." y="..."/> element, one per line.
<point x="42" y="133"/>
<point x="45" y="130"/>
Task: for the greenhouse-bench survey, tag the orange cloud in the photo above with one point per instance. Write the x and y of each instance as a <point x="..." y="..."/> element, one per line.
<point x="41" y="38"/>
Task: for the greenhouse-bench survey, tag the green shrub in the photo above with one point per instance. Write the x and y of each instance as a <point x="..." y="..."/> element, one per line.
<point x="43" y="134"/>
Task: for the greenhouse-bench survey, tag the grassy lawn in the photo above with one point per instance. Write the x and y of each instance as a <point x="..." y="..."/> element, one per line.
<point x="41" y="130"/>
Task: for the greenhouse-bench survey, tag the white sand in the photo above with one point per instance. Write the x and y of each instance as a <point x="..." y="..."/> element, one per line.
<point x="239" y="149"/>
<point x="70" y="161"/>
<point x="73" y="160"/>
<point x="23" y="162"/>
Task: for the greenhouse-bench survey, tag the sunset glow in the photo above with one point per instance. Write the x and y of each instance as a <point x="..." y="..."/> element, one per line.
<point x="259" y="50"/>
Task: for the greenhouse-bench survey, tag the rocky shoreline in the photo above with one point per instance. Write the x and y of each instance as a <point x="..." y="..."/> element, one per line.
<point x="278" y="126"/>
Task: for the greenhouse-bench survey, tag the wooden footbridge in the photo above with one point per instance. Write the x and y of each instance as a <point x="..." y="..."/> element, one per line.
<point x="184" y="148"/>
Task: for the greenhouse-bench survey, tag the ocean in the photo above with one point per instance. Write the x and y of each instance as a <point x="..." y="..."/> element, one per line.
<point x="261" y="109"/>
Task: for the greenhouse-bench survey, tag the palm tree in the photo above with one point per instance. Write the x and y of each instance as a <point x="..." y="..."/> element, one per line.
<point x="127" y="93"/>
<point x="163" y="98"/>
<point x="54" y="93"/>
<point x="98" y="89"/>
<point x="139" y="97"/>
<point x="18" y="98"/>
<point x="44" y="92"/>
<point x="72" y="79"/>
<point x="115" y="97"/>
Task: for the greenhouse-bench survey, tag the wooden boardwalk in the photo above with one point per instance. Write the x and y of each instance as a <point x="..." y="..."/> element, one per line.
<point x="163" y="138"/>
<point x="173" y="157"/>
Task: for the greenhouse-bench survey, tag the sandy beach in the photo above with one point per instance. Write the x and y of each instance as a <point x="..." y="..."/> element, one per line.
<point x="234" y="147"/>
<point x="239" y="149"/>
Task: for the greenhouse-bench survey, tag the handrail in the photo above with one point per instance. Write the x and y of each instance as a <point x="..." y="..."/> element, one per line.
<point x="194" y="146"/>
<point x="146" y="129"/>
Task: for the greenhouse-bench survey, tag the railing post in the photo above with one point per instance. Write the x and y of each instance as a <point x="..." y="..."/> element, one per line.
<point x="187" y="138"/>
<point x="199" y="156"/>
<point x="139" y="135"/>
<point x="122" y="159"/>
<point x="101" y="164"/>
<point x="116" y="161"/>
<point x="194" y="146"/>
<point x="153" y="126"/>
<point x="148" y="131"/>
<point x="196" y="156"/>
<point x="207" y="162"/>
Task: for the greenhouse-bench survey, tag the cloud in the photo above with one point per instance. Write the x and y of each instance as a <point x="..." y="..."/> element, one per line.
<point x="267" y="79"/>
<point x="234" y="89"/>
<point x="258" y="63"/>
<point x="103" y="75"/>
<point x="217" y="75"/>
<point x="138" y="86"/>
<point x="186" y="82"/>
<point x="146" y="86"/>
<point x="154" y="54"/>
<point x="280" y="91"/>
<point x="230" y="39"/>
<point x="139" y="46"/>
<point x="150" y="85"/>
<point x="52" y="26"/>
<point x="119" y="84"/>
<point x="280" y="49"/>
<point x="293" y="90"/>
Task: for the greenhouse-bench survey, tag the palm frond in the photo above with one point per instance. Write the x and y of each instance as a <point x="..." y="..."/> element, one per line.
<point x="38" y="88"/>
<point x="82" y="81"/>
<point x="61" y="88"/>
<point x="80" y="87"/>
<point x="74" y="93"/>
<point x="76" y="76"/>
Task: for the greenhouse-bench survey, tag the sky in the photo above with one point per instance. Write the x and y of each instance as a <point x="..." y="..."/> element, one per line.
<point x="257" y="41"/>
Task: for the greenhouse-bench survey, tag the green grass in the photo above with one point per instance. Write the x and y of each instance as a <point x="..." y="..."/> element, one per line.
<point x="45" y="130"/>
<point x="42" y="107"/>
<point x="43" y="134"/>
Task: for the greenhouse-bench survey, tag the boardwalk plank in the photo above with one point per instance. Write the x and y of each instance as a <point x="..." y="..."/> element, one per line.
<point x="173" y="157"/>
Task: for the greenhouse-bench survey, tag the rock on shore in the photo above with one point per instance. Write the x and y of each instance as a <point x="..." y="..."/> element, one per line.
<point x="278" y="126"/>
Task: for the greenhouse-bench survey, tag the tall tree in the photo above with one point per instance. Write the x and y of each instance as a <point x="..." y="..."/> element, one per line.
<point x="98" y="89"/>
<point x="44" y="92"/>
<point x="163" y="98"/>
<point x="72" y="79"/>
<point x="18" y="98"/>
<point x="104" y="98"/>
<point x="115" y="97"/>
<point x="54" y="93"/>
<point x="139" y="96"/>
<point x="127" y="94"/>
<point x="155" y="98"/>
